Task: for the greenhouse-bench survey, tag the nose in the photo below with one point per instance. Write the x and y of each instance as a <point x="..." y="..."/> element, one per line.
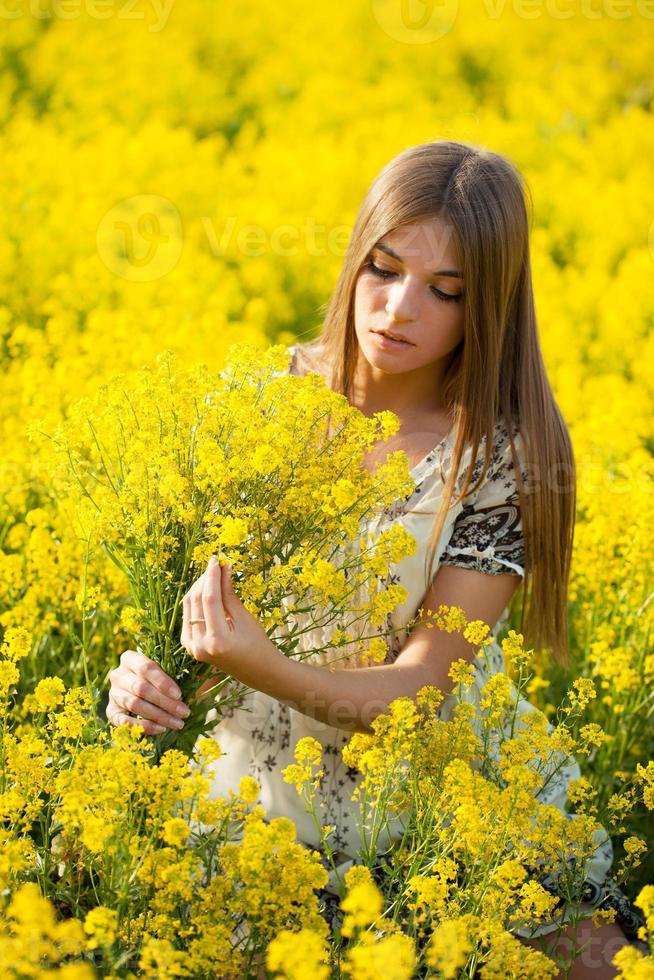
<point x="399" y="305"/>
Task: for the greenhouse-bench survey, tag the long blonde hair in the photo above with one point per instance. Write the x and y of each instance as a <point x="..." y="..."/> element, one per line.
<point x="497" y="371"/>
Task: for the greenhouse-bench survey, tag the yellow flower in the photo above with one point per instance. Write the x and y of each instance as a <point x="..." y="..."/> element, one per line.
<point x="582" y="693"/>
<point x="16" y="643"/>
<point x="100" y="925"/>
<point x="476" y="633"/>
<point x="390" y="956"/>
<point x="207" y="750"/>
<point x="593" y="734"/>
<point x="376" y="650"/>
<point x="9" y="676"/>
<point x="496" y="698"/>
<point x="131" y="618"/>
<point x="358" y="874"/>
<point x="632" y="964"/>
<point x="449" y="947"/>
<point x="49" y="693"/>
<point x="535" y="901"/>
<point x="233" y="531"/>
<point x="581" y="792"/>
<point x="462" y="672"/>
<point x="249" y="790"/>
<point x="296" y="955"/>
<point x="175" y="832"/>
<point x="645" y="901"/>
<point x="362" y="905"/>
<point x="308" y="755"/>
<point x="159" y="960"/>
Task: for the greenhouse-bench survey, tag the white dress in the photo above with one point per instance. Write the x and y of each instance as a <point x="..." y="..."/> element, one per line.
<point x="482" y="532"/>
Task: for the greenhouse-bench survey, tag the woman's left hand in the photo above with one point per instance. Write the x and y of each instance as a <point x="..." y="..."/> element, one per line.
<point x="218" y="629"/>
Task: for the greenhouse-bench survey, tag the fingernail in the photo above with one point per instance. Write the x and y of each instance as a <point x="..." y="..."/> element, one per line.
<point x="212" y="561"/>
<point x="182" y="711"/>
<point x="177" y="723"/>
<point x="158" y="729"/>
<point x="174" y="692"/>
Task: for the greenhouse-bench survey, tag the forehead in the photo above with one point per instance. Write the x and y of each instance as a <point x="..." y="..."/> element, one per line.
<point x="428" y="239"/>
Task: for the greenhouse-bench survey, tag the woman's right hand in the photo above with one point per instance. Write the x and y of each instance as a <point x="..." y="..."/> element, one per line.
<point x="141" y="693"/>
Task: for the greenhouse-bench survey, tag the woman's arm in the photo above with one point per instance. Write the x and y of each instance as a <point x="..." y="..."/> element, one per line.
<point x="348" y="699"/>
<point x="352" y="698"/>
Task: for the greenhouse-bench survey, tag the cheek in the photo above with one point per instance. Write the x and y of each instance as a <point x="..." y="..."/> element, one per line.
<point x="446" y="330"/>
<point x="368" y="294"/>
<point x="451" y="316"/>
<point x="364" y="302"/>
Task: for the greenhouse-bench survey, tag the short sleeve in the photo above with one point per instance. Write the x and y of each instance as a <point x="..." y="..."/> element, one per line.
<point x="487" y="534"/>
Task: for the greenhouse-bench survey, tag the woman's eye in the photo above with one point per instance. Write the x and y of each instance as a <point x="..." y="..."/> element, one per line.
<point x="388" y="274"/>
<point x="377" y="271"/>
<point x="448" y="297"/>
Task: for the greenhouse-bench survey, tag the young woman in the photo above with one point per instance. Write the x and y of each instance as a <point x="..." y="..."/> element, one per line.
<point x="433" y="318"/>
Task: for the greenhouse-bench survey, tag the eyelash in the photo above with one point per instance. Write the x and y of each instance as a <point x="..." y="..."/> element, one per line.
<point x="386" y="274"/>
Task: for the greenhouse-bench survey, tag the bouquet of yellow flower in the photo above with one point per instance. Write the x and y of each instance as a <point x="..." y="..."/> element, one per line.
<point x="176" y="464"/>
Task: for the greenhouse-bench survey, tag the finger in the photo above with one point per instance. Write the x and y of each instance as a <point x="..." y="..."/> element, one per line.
<point x="124" y="682"/>
<point x="186" y="605"/>
<point x="142" y="666"/>
<point x="212" y="600"/>
<point x="125" y="701"/>
<point x="199" y="579"/>
<point x="196" y="622"/>
<point x="229" y="596"/>
<point x="199" y="652"/>
<point x="117" y="717"/>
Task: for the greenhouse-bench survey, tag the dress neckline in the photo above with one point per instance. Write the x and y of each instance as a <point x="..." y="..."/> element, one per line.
<point x="417" y="470"/>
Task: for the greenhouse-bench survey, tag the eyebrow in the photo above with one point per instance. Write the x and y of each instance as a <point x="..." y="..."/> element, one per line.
<point x="455" y="273"/>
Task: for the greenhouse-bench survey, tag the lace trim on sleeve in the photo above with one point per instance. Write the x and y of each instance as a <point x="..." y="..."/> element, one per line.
<point x="488" y="539"/>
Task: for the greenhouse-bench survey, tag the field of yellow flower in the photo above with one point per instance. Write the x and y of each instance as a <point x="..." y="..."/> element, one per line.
<point x="183" y="175"/>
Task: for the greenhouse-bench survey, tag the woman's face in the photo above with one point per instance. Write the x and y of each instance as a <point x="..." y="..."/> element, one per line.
<point x="411" y="285"/>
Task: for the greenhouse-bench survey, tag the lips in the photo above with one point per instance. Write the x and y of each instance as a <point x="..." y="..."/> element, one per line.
<point x="393" y="336"/>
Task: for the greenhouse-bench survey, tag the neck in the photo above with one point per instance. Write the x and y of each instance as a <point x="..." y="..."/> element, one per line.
<point x="412" y="394"/>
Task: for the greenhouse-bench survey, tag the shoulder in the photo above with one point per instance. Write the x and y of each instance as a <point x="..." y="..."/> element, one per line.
<point x="507" y="443"/>
<point x="507" y="455"/>
<point x="487" y="533"/>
